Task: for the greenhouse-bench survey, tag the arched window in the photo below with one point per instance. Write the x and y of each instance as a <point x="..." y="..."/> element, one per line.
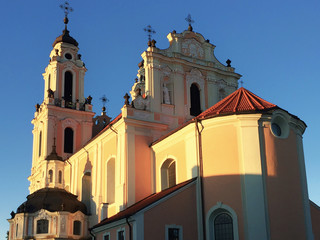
<point x="223" y="227"/>
<point x="111" y="178"/>
<point x="68" y="140"/>
<point x="60" y="177"/>
<point x="168" y="174"/>
<point x="76" y="228"/>
<point x="68" y="86"/>
<point x="50" y="176"/>
<point x="86" y="190"/>
<point x="40" y="143"/>
<point x="222" y="223"/>
<point x="42" y="226"/>
<point x="195" y="108"/>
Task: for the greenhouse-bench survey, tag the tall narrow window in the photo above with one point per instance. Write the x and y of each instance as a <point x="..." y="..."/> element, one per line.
<point x="168" y="174"/>
<point x="111" y="181"/>
<point x="42" y="226"/>
<point x="60" y="176"/>
<point x="120" y="235"/>
<point x="76" y="228"/>
<point x="17" y="228"/>
<point x="68" y="86"/>
<point x="49" y="81"/>
<point x="86" y="190"/>
<point x="68" y="140"/>
<point x="50" y="176"/>
<point x="40" y="143"/>
<point x="195" y="108"/>
<point x="223" y="227"/>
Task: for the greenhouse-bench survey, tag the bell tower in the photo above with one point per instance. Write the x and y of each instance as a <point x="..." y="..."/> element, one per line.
<point x="63" y="121"/>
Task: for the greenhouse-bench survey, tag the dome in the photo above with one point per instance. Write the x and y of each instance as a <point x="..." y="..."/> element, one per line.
<point x="53" y="200"/>
<point x="66" y="38"/>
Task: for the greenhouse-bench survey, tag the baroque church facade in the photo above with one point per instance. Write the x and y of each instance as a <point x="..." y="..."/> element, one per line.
<point x="190" y="156"/>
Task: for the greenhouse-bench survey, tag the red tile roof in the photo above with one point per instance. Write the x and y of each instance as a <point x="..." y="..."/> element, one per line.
<point x="142" y="204"/>
<point x="240" y="101"/>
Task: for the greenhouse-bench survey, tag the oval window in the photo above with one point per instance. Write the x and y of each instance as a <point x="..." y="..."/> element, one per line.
<point x="68" y="56"/>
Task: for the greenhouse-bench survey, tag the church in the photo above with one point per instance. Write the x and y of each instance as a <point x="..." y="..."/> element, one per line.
<point x="190" y="155"/>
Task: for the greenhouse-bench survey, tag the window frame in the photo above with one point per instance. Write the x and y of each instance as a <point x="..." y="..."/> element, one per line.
<point x="214" y="212"/>
<point x="121" y="230"/>
<point x="170" y="226"/>
<point x="36" y="225"/>
<point x="105" y="235"/>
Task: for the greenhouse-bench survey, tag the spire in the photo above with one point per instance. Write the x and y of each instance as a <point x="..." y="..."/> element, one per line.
<point x="67" y="9"/>
<point x="53" y="155"/>
<point x="65" y="37"/>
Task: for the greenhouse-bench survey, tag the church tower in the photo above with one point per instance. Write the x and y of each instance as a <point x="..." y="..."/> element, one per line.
<point x="63" y="122"/>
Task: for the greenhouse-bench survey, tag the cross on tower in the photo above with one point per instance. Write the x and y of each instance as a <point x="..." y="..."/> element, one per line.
<point x="190" y="21"/>
<point x="67" y="9"/>
<point x="149" y="31"/>
<point x="104" y="100"/>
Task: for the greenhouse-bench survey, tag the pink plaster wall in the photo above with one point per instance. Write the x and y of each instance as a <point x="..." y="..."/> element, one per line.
<point x="178" y="210"/>
<point x="284" y="190"/>
<point x="142" y="167"/>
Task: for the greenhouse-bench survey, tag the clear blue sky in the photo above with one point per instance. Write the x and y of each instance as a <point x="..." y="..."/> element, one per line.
<point x="274" y="44"/>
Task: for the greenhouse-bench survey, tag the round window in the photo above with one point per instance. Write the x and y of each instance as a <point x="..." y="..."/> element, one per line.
<point x="276" y="129"/>
<point x="68" y="56"/>
<point x="279" y="126"/>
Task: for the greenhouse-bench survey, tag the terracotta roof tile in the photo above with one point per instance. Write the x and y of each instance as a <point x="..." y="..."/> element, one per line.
<point x="241" y="100"/>
<point x="142" y="204"/>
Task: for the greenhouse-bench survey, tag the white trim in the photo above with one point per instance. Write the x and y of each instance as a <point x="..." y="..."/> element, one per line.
<point x="167" y="227"/>
<point x="213" y="212"/>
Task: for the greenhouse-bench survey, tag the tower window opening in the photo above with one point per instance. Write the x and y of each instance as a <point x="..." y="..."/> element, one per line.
<point x="76" y="228"/>
<point x="68" y="140"/>
<point x="68" y="86"/>
<point x="40" y="141"/>
<point x="49" y="81"/>
<point x="50" y="176"/>
<point x="195" y="108"/>
<point x="60" y="177"/>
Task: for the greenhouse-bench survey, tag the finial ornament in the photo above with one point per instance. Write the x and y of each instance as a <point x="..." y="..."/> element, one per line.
<point x="104" y="100"/>
<point x="241" y="83"/>
<point x="228" y="62"/>
<point x="67" y="9"/>
<point x="190" y="21"/>
<point x="149" y="30"/>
